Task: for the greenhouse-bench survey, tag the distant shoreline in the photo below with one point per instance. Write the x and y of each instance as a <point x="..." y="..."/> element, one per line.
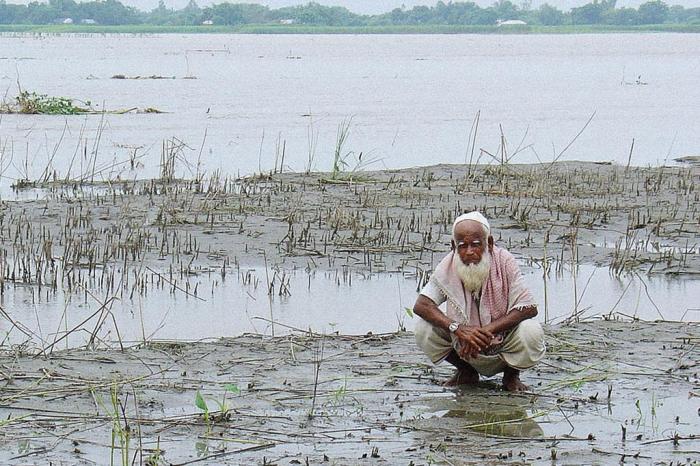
<point x="301" y="29"/>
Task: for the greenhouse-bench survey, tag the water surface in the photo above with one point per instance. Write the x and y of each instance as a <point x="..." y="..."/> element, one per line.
<point x="412" y="100"/>
<point x="327" y="302"/>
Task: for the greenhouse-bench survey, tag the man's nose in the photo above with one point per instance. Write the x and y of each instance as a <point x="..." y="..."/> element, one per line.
<point x="471" y="249"/>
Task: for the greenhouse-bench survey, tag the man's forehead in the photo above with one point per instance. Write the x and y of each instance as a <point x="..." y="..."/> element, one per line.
<point x="470" y="228"/>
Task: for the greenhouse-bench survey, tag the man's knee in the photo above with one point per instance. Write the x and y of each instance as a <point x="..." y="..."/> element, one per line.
<point x="436" y="344"/>
<point x="531" y="333"/>
<point x="527" y="345"/>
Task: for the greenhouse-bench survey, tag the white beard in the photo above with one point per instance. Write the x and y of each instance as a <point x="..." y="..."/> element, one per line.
<point x="473" y="276"/>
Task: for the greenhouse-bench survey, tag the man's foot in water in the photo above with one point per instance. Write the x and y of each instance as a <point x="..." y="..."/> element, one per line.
<point x="464" y="375"/>
<point x="511" y="381"/>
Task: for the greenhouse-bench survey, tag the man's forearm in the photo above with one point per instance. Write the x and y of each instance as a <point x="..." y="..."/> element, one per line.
<point x="427" y="310"/>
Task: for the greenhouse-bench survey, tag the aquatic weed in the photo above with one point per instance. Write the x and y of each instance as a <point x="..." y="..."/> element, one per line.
<point x="33" y="103"/>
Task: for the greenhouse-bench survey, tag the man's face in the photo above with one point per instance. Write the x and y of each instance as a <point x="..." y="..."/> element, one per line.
<point x="470" y="241"/>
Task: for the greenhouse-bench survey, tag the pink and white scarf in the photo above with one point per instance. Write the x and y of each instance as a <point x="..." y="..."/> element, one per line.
<point x="503" y="291"/>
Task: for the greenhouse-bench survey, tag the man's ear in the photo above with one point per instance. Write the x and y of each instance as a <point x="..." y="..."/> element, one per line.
<point x="490" y="241"/>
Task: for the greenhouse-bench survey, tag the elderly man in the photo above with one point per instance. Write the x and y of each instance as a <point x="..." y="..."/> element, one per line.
<point x="487" y="326"/>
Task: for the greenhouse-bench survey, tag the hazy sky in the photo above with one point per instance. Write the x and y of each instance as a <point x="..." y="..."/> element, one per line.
<point x="378" y="6"/>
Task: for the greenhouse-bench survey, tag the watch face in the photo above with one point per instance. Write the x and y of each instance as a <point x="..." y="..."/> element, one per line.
<point x="453" y="326"/>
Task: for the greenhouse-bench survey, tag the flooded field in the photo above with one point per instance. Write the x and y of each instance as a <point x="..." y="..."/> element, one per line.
<point x="608" y="392"/>
<point x="131" y="260"/>
<point x="115" y="297"/>
<point x="187" y="287"/>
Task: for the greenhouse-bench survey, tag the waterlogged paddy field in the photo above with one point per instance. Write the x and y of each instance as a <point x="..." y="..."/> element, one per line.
<point x="152" y="266"/>
<point x="135" y="261"/>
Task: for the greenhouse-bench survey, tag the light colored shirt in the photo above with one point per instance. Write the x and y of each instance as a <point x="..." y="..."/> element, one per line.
<point x="435" y="294"/>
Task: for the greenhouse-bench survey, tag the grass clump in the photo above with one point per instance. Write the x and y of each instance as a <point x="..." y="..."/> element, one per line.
<point x="347" y="164"/>
<point x="31" y="103"/>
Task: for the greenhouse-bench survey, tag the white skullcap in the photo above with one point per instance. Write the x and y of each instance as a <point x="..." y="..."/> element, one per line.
<point x="474" y="215"/>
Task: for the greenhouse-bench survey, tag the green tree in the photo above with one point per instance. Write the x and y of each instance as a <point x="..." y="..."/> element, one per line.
<point x="505" y="9"/>
<point x="12" y="14"/>
<point x="420" y="14"/>
<point x="455" y="13"/>
<point x="65" y="8"/>
<point x="236" y="13"/>
<point x="471" y="13"/>
<point x="189" y="15"/>
<point x="397" y="16"/>
<point x="680" y="15"/>
<point x="622" y="17"/>
<point x="41" y="13"/>
<point x="160" y="14"/>
<point x="654" y="12"/>
<point x="317" y="14"/>
<point x="693" y="16"/>
<point x="108" y="12"/>
<point x="591" y="13"/>
<point x="549" y="15"/>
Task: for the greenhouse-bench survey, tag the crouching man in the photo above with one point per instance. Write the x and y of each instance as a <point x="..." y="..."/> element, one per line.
<point x="488" y="326"/>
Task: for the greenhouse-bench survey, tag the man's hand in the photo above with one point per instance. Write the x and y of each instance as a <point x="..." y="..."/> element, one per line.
<point x="510" y="320"/>
<point x="472" y="341"/>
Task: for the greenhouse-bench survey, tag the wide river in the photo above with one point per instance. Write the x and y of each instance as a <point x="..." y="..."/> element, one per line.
<point x="409" y="100"/>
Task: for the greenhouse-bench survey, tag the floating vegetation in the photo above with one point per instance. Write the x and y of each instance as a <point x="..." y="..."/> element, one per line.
<point x="153" y="76"/>
<point x="689" y="159"/>
<point x="33" y="103"/>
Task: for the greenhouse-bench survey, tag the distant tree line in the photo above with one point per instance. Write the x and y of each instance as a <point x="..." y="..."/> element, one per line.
<point x="112" y="12"/>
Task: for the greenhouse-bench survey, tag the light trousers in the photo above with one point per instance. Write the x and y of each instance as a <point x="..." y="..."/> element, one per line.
<point x="521" y="349"/>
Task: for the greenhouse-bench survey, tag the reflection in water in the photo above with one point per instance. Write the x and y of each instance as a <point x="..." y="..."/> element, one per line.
<point x="510" y="422"/>
<point x="485" y="412"/>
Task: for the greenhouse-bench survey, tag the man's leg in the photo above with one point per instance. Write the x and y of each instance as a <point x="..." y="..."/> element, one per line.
<point x="437" y="345"/>
<point x="522" y="349"/>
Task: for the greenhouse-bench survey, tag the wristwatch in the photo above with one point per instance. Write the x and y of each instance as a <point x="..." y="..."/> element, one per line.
<point x="453" y="327"/>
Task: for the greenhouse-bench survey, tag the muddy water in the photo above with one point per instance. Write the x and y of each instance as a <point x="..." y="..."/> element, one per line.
<point x="649" y="412"/>
<point x="349" y="303"/>
<point x="623" y="425"/>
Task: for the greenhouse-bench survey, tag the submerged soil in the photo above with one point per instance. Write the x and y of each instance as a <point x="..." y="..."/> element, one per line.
<point x="607" y="392"/>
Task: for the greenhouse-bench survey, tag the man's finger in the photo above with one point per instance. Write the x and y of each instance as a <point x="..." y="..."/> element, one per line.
<point x="467" y="349"/>
<point x="480" y="340"/>
<point x="486" y="333"/>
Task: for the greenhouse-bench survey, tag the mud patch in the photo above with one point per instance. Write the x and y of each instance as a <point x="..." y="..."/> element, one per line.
<point x="606" y="392"/>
